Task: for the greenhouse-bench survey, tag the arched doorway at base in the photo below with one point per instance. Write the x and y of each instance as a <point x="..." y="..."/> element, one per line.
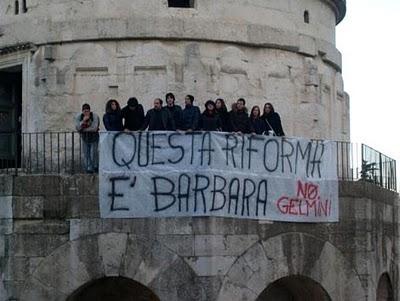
<point x="113" y="289"/>
<point x="294" y="288"/>
<point x="385" y="289"/>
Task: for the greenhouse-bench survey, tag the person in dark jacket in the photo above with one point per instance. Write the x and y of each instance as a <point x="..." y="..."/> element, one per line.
<point x="190" y="115"/>
<point x="158" y="118"/>
<point x="258" y="124"/>
<point x="223" y="115"/>
<point x="133" y="115"/>
<point x="272" y="120"/>
<point x="112" y="119"/>
<point x="175" y="110"/>
<point x="240" y="119"/>
<point x="209" y="120"/>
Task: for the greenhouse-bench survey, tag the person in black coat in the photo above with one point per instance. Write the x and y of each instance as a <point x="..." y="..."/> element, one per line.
<point x="240" y="118"/>
<point x="223" y="115"/>
<point x="272" y="120"/>
<point x="190" y="115"/>
<point x="209" y="120"/>
<point x="112" y="119"/>
<point x="259" y="125"/>
<point x="158" y="118"/>
<point x="133" y="115"/>
<point x="175" y="110"/>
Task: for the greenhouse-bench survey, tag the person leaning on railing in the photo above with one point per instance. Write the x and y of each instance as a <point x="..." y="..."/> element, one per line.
<point x="209" y="119"/>
<point x="259" y="125"/>
<point x="240" y="118"/>
<point x="87" y="124"/>
<point x="272" y="120"/>
<point x="133" y="115"/>
<point x="158" y="118"/>
<point x="112" y="119"/>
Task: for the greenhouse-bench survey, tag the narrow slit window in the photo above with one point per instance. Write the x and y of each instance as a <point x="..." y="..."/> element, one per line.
<point x="24" y="7"/>
<point x="306" y="17"/>
<point x="16" y="7"/>
<point x="181" y="3"/>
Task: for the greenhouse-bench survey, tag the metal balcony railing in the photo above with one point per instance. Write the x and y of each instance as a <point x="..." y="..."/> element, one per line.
<point x="61" y="153"/>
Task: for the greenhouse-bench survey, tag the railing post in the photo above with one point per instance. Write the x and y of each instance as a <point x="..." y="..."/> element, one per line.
<point x="380" y="170"/>
<point x="15" y="153"/>
<point x="72" y="153"/>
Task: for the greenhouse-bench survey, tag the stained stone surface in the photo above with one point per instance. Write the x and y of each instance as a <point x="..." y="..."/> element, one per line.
<point x="50" y="256"/>
<point x="264" y="51"/>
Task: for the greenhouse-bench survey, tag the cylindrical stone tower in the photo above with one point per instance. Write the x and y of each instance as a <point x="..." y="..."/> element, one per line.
<point x="280" y="51"/>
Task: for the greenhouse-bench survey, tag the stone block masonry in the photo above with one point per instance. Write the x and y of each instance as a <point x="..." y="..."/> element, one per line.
<point x="53" y="241"/>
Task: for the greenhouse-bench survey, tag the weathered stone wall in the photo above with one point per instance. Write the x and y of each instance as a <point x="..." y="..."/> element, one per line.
<point x="260" y="50"/>
<point x="52" y="241"/>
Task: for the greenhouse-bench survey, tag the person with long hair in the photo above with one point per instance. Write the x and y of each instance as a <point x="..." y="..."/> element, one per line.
<point x="259" y="125"/>
<point x="223" y="113"/>
<point x="272" y="120"/>
<point x="209" y="119"/>
<point x="112" y="119"/>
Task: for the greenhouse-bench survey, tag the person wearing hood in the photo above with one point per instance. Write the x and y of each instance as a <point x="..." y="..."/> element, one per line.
<point x="209" y="120"/>
<point x="112" y="119"/>
<point x="133" y="115"/>
<point x="190" y="115"/>
<point x="272" y="120"/>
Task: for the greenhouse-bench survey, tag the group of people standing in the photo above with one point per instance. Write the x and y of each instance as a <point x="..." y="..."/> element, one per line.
<point x="171" y="117"/>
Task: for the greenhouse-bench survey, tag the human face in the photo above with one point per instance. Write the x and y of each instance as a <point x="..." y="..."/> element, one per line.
<point x="157" y="104"/>
<point x="170" y="101"/>
<point x="239" y="105"/>
<point x="267" y="109"/>
<point x="210" y="107"/>
<point x="113" y="106"/>
<point x="256" y="112"/>
<point x="86" y="112"/>
<point x="218" y="104"/>
<point x="187" y="101"/>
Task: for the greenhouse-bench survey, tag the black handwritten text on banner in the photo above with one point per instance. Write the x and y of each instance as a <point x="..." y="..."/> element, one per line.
<point x="162" y="174"/>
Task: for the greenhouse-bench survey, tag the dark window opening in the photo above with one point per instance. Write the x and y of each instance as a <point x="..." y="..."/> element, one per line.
<point x="181" y="3"/>
<point x="24" y="8"/>
<point x="10" y="117"/>
<point x="16" y="7"/>
<point x="306" y="17"/>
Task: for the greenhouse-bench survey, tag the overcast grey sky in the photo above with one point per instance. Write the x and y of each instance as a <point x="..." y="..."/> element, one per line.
<point x="369" y="40"/>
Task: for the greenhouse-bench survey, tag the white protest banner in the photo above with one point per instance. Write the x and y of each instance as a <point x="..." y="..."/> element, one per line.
<point x="172" y="174"/>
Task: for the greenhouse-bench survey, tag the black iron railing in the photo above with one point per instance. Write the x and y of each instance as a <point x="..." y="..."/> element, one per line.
<point x="359" y="162"/>
<point x="61" y="153"/>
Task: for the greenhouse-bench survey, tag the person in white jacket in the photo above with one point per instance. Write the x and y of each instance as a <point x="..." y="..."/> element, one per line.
<point x="87" y="124"/>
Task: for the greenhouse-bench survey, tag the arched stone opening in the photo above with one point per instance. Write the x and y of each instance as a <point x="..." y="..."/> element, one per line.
<point x="385" y="289"/>
<point x="294" y="288"/>
<point x="113" y="289"/>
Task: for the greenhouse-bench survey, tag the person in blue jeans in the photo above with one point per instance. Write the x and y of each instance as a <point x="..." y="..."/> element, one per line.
<point x="87" y="124"/>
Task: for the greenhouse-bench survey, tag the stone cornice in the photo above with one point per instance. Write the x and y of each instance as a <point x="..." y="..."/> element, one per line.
<point x="339" y="6"/>
<point x="17" y="47"/>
